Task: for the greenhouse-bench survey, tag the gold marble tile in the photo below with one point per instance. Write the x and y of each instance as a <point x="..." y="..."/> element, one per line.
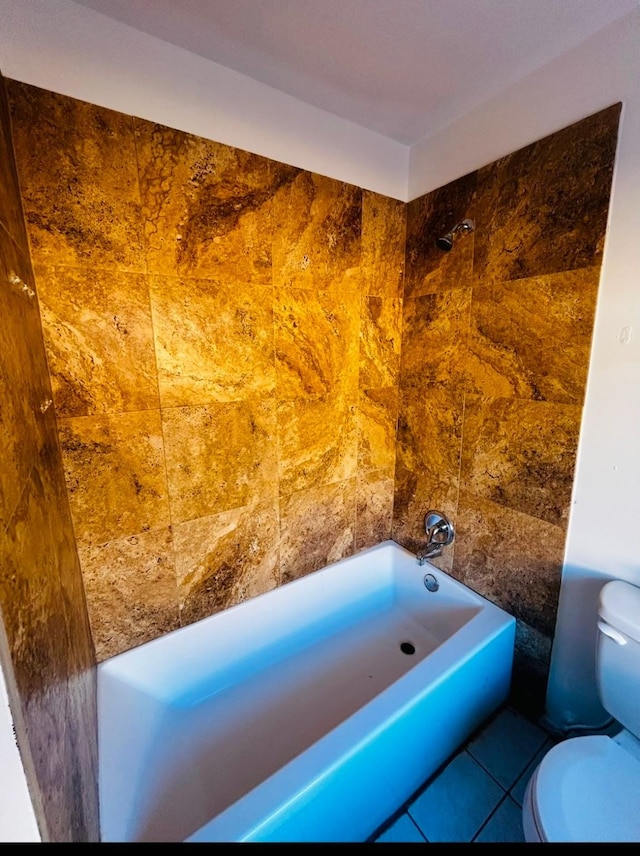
<point x="131" y="588"/>
<point x="317" y="528"/>
<point x="115" y="473"/>
<point x="214" y="340"/>
<point x="99" y="340"/>
<point x="383" y="242"/>
<point x="11" y="216"/>
<point x="532" y="338"/>
<point x="45" y="636"/>
<point x="543" y="209"/>
<point x="79" y="180"/>
<point x="380" y="341"/>
<point x="318" y="231"/>
<point x="435" y="331"/>
<point x="511" y="558"/>
<point x="206" y="205"/>
<point x="316" y="342"/>
<point x="24" y="378"/>
<point x="75" y="781"/>
<point x="220" y="457"/>
<point x="317" y="442"/>
<point x="374" y="508"/>
<point x="41" y="626"/>
<point x="521" y="454"/>
<point x="226" y="558"/>
<point x="377" y="422"/>
<point x="34" y="617"/>
<point x="429" y="269"/>
<point x="427" y="464"/>
<point x="80" y="653"/>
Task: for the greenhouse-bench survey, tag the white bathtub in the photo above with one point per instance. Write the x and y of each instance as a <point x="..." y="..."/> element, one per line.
<point x="296" y="716"/>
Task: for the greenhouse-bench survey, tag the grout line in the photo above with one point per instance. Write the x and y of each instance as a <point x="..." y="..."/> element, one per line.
<point x="491" y="815"/>
<point x="146" y="275"/>
<point x="275" y="291"/>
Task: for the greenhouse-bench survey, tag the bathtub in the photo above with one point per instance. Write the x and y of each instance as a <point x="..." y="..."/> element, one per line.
<point x="309" y="713"/>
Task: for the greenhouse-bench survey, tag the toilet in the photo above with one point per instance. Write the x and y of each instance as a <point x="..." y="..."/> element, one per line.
<point x="587" y="789"/>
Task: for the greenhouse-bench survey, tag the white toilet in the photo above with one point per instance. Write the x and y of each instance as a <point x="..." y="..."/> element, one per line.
<point x="587" y="789"/>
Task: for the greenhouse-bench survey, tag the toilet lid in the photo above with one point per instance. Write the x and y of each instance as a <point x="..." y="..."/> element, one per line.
<point x="588" y="789"/>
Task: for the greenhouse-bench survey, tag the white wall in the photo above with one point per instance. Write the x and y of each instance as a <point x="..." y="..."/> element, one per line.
<point x="604" y="531"/>
<point x="70" y="49"/>
<point x="17" y="818"/>
<point x="67" y="48"/>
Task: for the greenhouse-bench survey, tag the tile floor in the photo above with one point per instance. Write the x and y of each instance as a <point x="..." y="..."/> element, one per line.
<point x="478" y="794"/>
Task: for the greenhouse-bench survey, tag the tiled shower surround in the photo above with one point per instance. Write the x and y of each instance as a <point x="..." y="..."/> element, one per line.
<point x="257" y="370"/>
<point x="224" y="334"/>
<point x="495" y="353"/>
<point x="45" y="639"/>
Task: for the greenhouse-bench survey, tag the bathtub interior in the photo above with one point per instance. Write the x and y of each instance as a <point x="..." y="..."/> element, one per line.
<point x="194" y="721"/>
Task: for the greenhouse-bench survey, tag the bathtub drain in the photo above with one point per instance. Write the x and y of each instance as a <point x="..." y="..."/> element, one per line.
<point x="407" y="648"/>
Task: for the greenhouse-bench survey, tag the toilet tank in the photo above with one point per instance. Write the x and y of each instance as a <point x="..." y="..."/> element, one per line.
<point x="618" y="653"/>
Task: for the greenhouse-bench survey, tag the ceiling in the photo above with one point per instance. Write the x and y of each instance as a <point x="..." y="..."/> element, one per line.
<point x="401" y="68"/>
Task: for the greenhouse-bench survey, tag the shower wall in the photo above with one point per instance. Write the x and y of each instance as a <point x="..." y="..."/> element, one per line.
<point x="495" y="353"/>
<point x="223" y="336"/>
<point x="233" y="402"/>
<point x="45" y="639"/>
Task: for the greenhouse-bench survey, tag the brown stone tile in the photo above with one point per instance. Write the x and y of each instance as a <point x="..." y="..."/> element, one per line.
<point x="319" y="231"/>
<point x="72" y="593"/>
<point x="317" y="528"/>
<point x="374" y="508"/>
<point x="543" y="209"/>
<point x="317" y="442"/>
<point x="131" y="590"/>
<point x="81" y="759"/>
<point x="78" y="173"/>
<point x="316" y="342"/>
<point x="377" y="422"/>
<point x="434" y="341"/>
<point x="11" y="216"/>
<point x="510" y="558"/>
<point x="532" y="338"/>
<point x="531" y="661"/>
<point x="380" y="341"/>
<point x="206" y="205"/>
<point x="99" y="340"/>
<point x="220" y="456"/>
<point x="429" y="269"/>
<point x="383" y="242"/>
<point x="226" y="558"/>
<point x="214" y="340"/>
<point x="45" y="633"/>
<point x="24" y="379"/>
<point x="52" y="655"/>
<point x="34" y="617"/>
<point x="521" y="454"/>
<point x="115" y="473"/>
<point x="15" y="269"/>
<point x="427" y="464"/>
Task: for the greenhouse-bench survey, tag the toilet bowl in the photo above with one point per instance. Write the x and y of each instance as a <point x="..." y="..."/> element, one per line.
<point x="587" y="789"/>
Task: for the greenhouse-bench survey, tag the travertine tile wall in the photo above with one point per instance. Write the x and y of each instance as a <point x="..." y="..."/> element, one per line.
<point x="223" y="334"/>
<point x="495" y="351"/>
<point x="45" y="635"/>
<point x="224" y="339"/>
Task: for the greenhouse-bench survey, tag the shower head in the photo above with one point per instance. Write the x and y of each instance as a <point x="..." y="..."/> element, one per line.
<point x="445" y="242"/>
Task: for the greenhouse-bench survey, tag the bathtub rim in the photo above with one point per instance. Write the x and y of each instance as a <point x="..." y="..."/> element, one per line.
<point x="273" y="794"/>
<point x="269" y="796"/>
